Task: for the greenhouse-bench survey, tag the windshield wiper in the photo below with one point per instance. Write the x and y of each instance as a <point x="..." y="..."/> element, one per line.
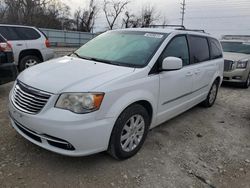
<point x="81" y="57"/>
<point x="103" y="61"/>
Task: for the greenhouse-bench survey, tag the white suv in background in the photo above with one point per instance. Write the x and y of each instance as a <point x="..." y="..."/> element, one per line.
<point x="30" y="45"/>
<point x="110" y="92"/>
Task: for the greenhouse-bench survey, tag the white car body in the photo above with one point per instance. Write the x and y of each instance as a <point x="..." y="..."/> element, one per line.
<point x="21" y="48"/>
<point x="169" y="94"/>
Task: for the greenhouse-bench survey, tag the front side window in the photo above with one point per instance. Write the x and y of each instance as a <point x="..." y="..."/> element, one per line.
<point x="124" y="48"/>
<point x="178" y="47"/>
<point x="237" y="47"/>
<point x="199" y="49"/>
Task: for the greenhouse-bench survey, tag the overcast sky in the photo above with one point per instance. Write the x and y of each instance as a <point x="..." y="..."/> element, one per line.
<point x="215" y="16"/>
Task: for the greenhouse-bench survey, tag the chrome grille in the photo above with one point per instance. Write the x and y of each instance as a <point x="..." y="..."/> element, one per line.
<point x="28" y="99"/>
<point x="228" y="65"/>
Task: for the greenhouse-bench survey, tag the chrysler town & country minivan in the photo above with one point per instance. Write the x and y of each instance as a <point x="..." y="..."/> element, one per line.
<point x="108" y="94"/>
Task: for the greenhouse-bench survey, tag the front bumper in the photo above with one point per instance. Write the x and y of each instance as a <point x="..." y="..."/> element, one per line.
<point x="237" y="76"/>
<point x="62" y="131"/>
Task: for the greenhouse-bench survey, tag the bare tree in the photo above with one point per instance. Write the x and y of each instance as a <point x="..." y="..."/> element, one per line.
<point x="126" y="22"/>
<point x="40" y="13"/>
<point x="149" y="16"/>
<point x="3" y="9"/>
<point x="112" y="9"/>
<point x="85" y="20"/>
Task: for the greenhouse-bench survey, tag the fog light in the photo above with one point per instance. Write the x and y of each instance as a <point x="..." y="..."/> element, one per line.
<point x="237" y="77"/>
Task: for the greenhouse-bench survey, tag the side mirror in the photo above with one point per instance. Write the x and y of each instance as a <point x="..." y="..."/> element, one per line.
<point x="171" y="64"/>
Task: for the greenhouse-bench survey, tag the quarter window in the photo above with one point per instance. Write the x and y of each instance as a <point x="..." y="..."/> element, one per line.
<point x="199" y="49"/>
<point x="178" y="47"/>
<point x="215" y="49"/>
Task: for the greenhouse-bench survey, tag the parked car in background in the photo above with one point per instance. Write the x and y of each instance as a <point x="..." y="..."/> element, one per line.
<point x="30" y="45"/>
<point x="237" y="62"/>
<point x="111" y="91"/>
<point x="8" y="70"/>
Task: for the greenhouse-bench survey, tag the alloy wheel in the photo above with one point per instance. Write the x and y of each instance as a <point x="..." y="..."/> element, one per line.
<point x="30" y="63"/>
<point x="213" y="93"/>
<point x="132" y="133"/>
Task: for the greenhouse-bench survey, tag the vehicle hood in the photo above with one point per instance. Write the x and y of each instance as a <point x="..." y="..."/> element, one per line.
<point x="235" y="56"/>
<point x="68" y="74"/>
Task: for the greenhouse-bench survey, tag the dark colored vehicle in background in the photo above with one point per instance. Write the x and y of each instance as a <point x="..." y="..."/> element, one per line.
<point x="8" y="70"/>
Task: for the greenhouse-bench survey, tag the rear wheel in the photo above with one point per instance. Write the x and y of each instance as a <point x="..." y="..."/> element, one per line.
<point x="129" y="132"/>
<point x="28" y="61"/>
<point x="212" y="95"/>
<point x="247" y="83"/>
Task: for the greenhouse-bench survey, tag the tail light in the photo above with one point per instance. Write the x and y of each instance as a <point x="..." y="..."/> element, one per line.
<point x="5" y="47"/>
<point x="47" y="43"/>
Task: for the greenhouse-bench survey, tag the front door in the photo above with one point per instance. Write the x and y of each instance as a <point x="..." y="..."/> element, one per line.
<point x="175" y="86"/>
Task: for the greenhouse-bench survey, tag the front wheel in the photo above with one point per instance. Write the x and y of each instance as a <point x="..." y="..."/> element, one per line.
<point x="212" y="95"/>
<point x="247" y="83"/>
<point x="129" y="132"/>
<point x="28" y="61"/>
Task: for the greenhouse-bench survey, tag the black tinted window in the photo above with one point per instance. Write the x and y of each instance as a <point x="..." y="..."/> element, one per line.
<point x="215" y="49"/>
<point x="9" y="33"/>
<point x="26" y="33"/>
<point x="199" y="49"/>
<point x="1" y="39"/>
<point x="178" y="47"/>
<point x="19" y="33"/>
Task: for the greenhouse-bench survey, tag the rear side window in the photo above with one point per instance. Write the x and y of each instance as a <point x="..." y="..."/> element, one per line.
<point x="199" y="49"/>
<point x="19" y="33"/>
<point x="215" y="49"/>
<point x="27" y="33"/>
<point x="178" y="47"/>
<point x="9" y="33"/>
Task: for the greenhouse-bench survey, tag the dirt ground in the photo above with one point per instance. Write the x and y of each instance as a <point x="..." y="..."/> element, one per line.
<point x="200" y="148"/>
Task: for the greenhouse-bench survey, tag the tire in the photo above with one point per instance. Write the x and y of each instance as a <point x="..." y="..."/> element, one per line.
<point x="247" y="83"/>
<point x="28" y="61"/>
<point x="212" y="95"/>
<point x="121" y="146"/>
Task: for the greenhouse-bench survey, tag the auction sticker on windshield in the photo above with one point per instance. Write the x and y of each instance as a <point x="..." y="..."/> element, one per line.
<point x="153" y="35"/>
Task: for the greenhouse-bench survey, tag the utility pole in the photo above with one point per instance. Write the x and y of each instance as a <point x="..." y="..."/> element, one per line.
<point x="183" y="5"/>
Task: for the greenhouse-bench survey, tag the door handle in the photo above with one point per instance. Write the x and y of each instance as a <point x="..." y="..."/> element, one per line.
<point x="19" y="44"/>
<point x="189" y="74"/>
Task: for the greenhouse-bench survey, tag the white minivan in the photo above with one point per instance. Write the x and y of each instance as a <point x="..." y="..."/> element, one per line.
<point x="108" y="94"/>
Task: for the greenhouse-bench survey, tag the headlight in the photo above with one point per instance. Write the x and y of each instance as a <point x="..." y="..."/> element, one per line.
<point x="242" y="64"/>
<point x="80" y="103"/>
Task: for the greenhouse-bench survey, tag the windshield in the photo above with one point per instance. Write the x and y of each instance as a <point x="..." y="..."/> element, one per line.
<point x="124" y="48"/>
<point x="237" y="47"/>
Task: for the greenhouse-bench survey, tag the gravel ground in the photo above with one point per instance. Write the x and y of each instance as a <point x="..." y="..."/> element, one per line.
<point x="200" y="148"/>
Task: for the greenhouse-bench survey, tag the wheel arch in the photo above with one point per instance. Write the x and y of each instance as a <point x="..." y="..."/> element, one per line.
<point x="144" y="98"/>
<point x="27" y="52"/>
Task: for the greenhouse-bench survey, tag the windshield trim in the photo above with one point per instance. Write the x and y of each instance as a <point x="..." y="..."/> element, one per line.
<point x="165" y="35"/>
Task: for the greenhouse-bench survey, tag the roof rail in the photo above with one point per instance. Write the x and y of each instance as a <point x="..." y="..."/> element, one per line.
<point x="177" y="26"/>
<point x="195" y="30"/>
